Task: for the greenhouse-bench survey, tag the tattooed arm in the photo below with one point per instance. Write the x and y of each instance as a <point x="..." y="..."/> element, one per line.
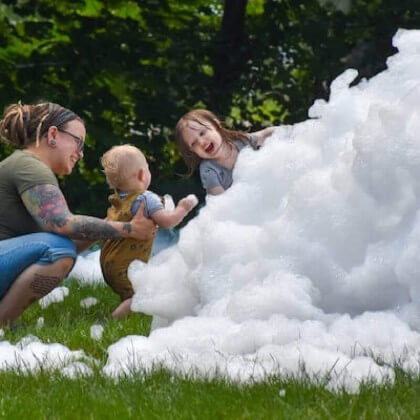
<point x="48" y="207"/>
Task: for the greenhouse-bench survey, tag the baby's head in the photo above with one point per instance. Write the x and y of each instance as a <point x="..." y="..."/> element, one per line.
<point x="125" y="167"/>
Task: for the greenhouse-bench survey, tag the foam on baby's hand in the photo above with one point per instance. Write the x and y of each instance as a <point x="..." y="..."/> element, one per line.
<point x="192" y="198"/>
<point x="168" y="202"/>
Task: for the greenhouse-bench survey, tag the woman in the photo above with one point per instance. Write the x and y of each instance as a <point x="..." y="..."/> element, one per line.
<point x="39" y="236"/>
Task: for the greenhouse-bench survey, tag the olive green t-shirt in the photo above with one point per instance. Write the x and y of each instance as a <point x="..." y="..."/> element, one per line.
<point x="19" y="172"/>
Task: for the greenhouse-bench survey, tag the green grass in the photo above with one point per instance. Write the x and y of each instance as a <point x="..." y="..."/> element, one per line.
<point x="48" y="395"/>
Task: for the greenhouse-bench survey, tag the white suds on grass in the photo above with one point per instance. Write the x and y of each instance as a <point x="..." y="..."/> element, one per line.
<point x="31" y="355"/>
<point x="96" y="331"/>
<point x="76" y="370"/>
<point x="56" y="295"/>
<point x="88" y="302"/>
<point x="39" y="323"/>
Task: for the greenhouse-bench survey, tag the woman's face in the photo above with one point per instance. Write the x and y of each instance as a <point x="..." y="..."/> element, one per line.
<point x="204" y="140"/>
<point x="69" y="143"/>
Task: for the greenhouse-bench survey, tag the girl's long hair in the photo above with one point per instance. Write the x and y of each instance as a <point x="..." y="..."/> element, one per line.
<point x="206" y="119"/>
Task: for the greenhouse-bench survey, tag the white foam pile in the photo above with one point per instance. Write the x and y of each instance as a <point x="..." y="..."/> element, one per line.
<point x="310" y="263"/>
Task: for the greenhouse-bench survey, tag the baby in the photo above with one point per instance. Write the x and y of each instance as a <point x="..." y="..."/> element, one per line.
<point x="127" y="172"/>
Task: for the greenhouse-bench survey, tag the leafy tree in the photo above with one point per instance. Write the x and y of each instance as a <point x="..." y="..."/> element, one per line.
<point x="132" y="68"/>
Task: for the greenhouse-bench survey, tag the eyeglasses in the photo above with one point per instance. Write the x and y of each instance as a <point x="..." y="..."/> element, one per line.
<point x="80" y="142"/>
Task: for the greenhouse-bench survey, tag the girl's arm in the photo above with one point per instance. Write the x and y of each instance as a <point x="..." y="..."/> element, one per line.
<point x="262" y="135"/>
<point x="48" y="207"/>
<point x="169" y="219"/>
<point x="215" y="190"/>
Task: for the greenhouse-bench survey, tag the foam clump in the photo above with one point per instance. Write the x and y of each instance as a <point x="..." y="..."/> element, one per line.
<point x="88" y="302"/>
<point x="56" y="295"/>
<point x="96" y="331"/>
<point x="87" y="270"/>
<point x="311" y="258"/>
<point x="39" y="323"/>
<point x="76" y="370"/>
<point x="30" y="355"/>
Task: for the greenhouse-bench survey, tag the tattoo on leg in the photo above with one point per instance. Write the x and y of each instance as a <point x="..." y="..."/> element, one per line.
<point x="41" y="285"/>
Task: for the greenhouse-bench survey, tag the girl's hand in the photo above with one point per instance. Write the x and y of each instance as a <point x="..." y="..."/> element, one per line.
<point x="263" y="134"/>
<point x="267" y="132"/>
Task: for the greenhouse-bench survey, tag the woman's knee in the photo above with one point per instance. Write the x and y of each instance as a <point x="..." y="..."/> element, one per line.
<point x="65" y="265"/>
<point x="44" y="278"/>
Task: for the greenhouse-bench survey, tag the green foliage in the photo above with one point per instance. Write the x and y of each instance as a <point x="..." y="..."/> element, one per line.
<point x="132" y="68"/>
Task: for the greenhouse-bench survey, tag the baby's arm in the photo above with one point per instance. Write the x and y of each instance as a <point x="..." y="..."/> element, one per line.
<point x="168" y="219"/>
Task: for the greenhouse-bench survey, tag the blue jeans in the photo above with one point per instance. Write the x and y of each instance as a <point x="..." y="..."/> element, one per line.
<point x="17" y="254"/>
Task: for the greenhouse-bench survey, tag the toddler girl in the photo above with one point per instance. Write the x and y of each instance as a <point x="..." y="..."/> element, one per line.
<point x="204" y="142"/>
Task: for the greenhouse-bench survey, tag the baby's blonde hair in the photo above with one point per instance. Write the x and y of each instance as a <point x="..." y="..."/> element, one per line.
<point x="120" y="163"/>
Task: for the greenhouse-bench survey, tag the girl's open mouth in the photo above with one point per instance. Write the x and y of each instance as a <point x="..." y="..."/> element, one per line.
<point x="209" y="148"/>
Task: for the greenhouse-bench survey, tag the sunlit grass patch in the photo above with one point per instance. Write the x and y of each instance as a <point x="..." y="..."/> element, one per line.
<point x="164" y="395"/>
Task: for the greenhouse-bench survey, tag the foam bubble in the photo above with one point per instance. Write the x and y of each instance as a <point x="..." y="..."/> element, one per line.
<point x="87" y="269"/>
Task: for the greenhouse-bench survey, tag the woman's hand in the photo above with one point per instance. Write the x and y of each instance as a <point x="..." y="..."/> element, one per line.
<point x="142" y="228"/>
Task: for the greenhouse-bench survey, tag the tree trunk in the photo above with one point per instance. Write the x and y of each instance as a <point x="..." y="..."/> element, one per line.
<point x="230" y="52"/>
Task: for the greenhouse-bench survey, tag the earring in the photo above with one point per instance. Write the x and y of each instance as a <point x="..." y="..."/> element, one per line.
<point x="52" y="143"/>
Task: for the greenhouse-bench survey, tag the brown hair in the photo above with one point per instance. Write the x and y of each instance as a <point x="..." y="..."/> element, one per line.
<point x="206" y="119"/>
<point x="120" y="162"/>
<point x="22" y="125"/>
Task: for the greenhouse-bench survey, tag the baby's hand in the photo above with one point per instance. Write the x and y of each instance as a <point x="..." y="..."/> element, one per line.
<point x="189" y="202"/>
